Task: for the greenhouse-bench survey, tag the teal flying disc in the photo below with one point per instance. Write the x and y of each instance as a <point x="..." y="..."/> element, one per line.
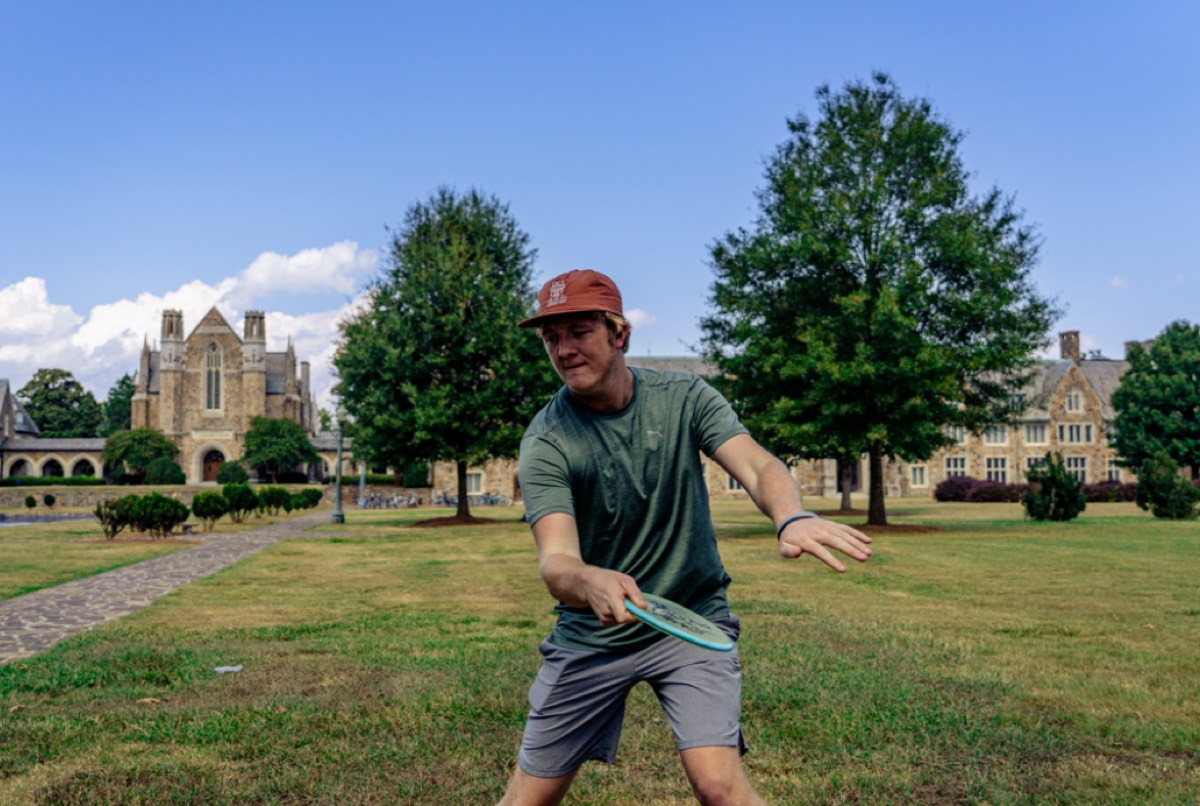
<point x="675" y="619"/>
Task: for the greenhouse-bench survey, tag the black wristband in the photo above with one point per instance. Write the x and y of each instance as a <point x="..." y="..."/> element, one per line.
<point x="799" y="516"/>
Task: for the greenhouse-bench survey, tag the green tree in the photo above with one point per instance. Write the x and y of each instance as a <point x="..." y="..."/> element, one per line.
<point x="435" y="367"/>
<point x="1158" y="401"/>
<point x="60" y="406"/>
<point x="118" y="409"/>
<point x="131" y="452"/>
<point x="275" y="446"/>
<point x="875" y="300"/>
<point x="325" y="419"/>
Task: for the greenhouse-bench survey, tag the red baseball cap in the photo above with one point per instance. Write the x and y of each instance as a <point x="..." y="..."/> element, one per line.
<point x="576" y="291"/>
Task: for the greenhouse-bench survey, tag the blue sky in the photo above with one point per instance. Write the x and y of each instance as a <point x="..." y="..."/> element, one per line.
<point x="253" y="155"/>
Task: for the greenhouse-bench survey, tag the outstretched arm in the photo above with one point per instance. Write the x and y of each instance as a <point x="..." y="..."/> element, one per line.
<point x="573" y="582"/>
<point x="775" y="492"/>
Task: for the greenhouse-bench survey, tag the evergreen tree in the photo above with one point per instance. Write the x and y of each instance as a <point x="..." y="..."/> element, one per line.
<point x="435" y="367"/>
<point x="118" y="409"/>
<point x="1158" y="401"/>
<point x="875" y="301"/>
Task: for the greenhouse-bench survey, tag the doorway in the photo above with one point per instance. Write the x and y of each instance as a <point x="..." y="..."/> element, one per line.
<point x="212" y="463"/>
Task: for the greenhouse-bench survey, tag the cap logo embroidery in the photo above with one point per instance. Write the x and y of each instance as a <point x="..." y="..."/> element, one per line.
<point x="557" y="297"/>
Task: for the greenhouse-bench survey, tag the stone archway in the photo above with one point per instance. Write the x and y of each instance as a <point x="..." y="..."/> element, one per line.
<point x="212" y="465"/>
<point x="20" y="467"/>
<point x="52" y="468"/>
<point x="83" y="467"/>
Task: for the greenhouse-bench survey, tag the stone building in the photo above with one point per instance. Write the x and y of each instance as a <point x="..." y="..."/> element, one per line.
<point x="1067" y="409"/>
<point x="203" y="390"/>
<point x="24" y="452"/>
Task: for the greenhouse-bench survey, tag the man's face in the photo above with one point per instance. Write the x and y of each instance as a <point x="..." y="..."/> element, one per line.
<point x="583" y="352"/>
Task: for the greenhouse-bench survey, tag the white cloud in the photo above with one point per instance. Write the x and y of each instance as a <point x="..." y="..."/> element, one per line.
<point x="1118" y="282"/>
<point x="98" y="349"/>
<point x="26" y="311"/>
<point x="639" y="318"/>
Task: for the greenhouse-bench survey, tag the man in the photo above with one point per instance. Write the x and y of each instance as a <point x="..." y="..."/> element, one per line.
<point x="615" y="495"/>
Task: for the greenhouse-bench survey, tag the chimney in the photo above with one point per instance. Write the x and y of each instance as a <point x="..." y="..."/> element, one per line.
<point x="1068" y="342"/>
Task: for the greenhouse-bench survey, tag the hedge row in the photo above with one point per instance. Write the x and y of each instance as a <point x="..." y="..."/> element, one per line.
<point x="51" y="481"/>
<point x="965" y="488"/>
<point x="159" y="515"/>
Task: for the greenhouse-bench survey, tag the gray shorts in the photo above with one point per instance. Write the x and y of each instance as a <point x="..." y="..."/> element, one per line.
<point x="577" y="702"/>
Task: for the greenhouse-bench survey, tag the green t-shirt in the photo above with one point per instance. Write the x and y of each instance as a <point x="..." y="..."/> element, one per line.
<point x="634" y="483"/>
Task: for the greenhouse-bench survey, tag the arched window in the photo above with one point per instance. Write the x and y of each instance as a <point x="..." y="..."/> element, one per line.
<point x="83" y="468"/>
<point x="52" y="469"/>
<point x="212" y="378"/>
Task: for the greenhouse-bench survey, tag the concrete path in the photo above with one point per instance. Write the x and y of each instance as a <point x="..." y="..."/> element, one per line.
<point x="35" y="622"/>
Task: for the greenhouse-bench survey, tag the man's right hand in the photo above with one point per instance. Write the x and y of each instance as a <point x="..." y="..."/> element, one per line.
<point x="606" y="592"/>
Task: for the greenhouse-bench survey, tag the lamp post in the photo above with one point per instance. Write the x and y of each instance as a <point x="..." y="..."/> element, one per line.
<point x="338" y="515"/>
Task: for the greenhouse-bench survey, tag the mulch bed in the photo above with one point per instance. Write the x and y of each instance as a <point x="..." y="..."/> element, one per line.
<point x="454" y="520"/>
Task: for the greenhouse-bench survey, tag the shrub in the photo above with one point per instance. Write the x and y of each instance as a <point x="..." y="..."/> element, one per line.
<point x="209" y="508"/>
<point x="1164" y="492"/>
<point x="955" y="488"/>
<point x="163" y="470"/>
<point x="232" y="473"/>
<point x="48" y="499"/>
<point x="275" y="499"/>
<point x="312" y="497"/>
<point x="241" y="500"/>
<point x="115" y="515"/>
<point x="30" y="502"/>
<point x="1109" y="492"/>
<point x="994" y="492"/>
<point x="1054" y="494"/>
<point x="159" y="515"/>
<point x="57" y="481"/>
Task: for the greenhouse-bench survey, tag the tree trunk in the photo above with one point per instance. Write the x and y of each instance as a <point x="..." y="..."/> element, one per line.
<point x="464" y="506"/>
<point x="876" y="512"/>
<point x="846" y="476"/>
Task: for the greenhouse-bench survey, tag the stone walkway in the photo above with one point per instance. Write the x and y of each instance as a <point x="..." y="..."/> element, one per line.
<point x="35" y="622"/>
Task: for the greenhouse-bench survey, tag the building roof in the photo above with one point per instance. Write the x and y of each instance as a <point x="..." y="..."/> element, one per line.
<point x="23" y="424"/>
<point x="47" y="445"/>
<point x="679" y="363"/>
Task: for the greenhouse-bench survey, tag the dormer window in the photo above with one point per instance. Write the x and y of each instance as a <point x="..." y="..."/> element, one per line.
<point x="212" y="378"/>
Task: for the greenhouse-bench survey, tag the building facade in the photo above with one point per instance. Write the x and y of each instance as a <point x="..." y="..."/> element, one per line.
<point x="204" y="389"/>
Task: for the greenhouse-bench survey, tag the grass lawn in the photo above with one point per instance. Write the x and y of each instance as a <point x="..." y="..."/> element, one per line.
<point x="992" y="661"/>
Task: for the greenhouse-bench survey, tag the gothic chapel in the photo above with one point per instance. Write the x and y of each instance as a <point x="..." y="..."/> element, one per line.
<point x="205" y="390"/>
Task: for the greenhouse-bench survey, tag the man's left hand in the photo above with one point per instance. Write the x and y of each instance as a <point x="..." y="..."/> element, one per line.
<point x="817" y="536"/>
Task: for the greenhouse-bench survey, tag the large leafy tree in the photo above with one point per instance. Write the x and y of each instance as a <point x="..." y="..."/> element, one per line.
<point x="131" y="452"/>
<point x="435" y="367"/>
<point x="60" y="405"/>
<point x="875" y="300"/>
<point x="1158" y="401"/>
<point x="274" y="446"/>
<point x="118" y="408"/>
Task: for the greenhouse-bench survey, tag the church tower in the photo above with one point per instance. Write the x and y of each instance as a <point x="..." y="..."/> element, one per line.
<point x="170" y="374"/>
<point x="254" y="368"/>
<point x="139" y="414"/>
